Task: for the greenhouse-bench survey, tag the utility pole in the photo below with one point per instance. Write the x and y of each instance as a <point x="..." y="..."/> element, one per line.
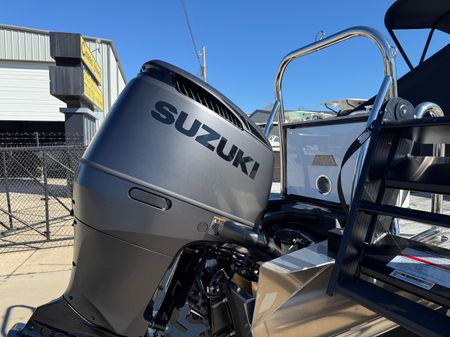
<point x="202" y="53"/>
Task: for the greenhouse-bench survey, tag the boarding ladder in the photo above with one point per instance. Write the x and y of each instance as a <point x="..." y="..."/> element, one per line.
<point x="405" y="280"/>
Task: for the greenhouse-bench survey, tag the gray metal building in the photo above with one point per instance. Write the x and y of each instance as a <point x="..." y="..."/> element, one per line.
<point x="25" y="101"/>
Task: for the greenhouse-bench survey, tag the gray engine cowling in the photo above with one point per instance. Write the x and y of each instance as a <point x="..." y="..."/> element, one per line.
<point x="172" y="154"/>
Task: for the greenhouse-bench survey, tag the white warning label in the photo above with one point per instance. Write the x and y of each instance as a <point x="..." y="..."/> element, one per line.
<point x="422" y="269"/>
<point x="412" y="279"/>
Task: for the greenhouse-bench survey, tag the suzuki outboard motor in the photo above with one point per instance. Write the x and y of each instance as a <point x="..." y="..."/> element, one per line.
<point x="172" y="156"/>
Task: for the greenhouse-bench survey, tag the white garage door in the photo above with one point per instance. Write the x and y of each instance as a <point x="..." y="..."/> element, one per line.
<point x="25" y="93"/>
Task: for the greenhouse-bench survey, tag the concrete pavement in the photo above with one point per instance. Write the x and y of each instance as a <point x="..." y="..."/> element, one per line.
<point x="36" y="276"/>
<point x="31" y="278"/>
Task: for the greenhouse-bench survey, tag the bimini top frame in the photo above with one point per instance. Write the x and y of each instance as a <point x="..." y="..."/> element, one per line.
<point x="388" y="88"/>
<point x="413" y="14"/>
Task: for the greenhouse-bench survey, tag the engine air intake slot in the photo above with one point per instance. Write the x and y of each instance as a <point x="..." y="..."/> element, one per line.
<point x="201" y="96"/>
<point x="190" y="86"/>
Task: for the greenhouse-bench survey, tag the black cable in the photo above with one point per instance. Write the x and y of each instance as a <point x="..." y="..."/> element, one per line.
<point x="190" y="32"/>
<point x="301" y="216"/>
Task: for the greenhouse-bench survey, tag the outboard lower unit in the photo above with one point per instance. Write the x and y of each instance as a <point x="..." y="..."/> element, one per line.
<point x="172" y="156"/>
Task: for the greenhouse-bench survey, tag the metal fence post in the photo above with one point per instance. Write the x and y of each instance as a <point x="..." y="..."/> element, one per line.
<point x="69" y="177"/>
<point x="44" y="172"/>
<point x="8" y="197"/>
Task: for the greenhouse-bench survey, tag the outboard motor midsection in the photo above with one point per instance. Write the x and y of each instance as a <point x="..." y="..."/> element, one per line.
<point x="172" y="154"/>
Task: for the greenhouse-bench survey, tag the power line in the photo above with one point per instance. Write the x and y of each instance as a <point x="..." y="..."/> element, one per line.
<point x="190" y="33"/>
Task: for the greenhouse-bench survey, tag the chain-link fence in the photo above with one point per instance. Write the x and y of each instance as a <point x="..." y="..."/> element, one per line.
<point x="36" y="195"/>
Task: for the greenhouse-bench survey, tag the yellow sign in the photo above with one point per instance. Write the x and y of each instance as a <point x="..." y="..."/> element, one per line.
<point x="91" y="91"/>
<point x="90" y="61"/>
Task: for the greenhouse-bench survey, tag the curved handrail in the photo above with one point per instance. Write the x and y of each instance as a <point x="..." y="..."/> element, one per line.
<point x="428" y="107"/>
<point x="389" y="70"/>
<point x="433" y="110"/>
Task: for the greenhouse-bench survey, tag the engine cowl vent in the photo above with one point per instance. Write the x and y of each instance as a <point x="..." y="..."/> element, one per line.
<point x="192" y="87"/>
<point x="203" y="97"/>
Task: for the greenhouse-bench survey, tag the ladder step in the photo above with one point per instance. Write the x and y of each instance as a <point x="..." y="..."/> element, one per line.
<point x="434" y="130"/>
<point x="425" y="174"/>
<point x="405" y="213"/>
<point x="377" y="264"/>
<point x="415" y="317"/>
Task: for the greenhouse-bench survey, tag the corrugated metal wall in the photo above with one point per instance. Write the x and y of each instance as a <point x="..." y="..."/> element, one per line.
<point x="27" y="46"/>
<point x="16" y="45"/>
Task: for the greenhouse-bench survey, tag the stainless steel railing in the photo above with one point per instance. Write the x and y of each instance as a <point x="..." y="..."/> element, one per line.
<point x="433" y="110"/>
<point x="388" y="89"/>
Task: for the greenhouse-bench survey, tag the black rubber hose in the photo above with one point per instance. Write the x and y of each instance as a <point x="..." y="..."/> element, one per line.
<point x="310" y="216"/>
<point x="248" y="237"/>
